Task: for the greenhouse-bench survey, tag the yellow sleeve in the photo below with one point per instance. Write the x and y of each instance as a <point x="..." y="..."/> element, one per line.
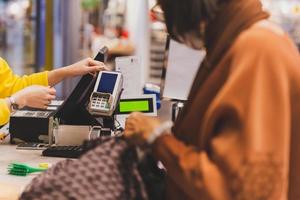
<point x="4" y="112"/>
<point x="11" y="83"/>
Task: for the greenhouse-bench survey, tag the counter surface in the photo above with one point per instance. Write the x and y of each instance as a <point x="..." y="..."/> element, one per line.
<point x="11" y="186"/>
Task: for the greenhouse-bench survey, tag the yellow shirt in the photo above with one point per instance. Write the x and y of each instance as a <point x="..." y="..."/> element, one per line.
<point x="11" y="83"/>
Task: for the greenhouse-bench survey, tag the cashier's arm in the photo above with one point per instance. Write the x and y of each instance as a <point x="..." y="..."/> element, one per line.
<point x="36" y="96"/>
<point x="80" y="68"/>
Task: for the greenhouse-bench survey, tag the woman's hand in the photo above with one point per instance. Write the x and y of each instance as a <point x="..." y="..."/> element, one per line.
<point x="35" y="96"/>
<point x="139" y="127"/>
<point x="80" y="68"/>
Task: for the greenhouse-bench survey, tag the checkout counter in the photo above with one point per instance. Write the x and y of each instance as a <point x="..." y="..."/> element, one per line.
<point x="12" y="186"/>
<point x="96" y="101"/>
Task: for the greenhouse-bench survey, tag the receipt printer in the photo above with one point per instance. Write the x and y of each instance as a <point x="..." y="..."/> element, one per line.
<point x="31" y="126"/>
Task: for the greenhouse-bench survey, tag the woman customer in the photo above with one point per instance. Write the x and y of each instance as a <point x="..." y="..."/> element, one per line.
<point x="237" y="137"/>
<point x="36" y="90"/>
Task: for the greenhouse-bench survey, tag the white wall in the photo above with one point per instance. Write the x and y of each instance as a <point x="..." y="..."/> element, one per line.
<point x="139" y="29"/>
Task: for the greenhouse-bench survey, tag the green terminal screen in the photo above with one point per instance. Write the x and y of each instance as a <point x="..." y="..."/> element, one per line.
<point x="134" y="106"/>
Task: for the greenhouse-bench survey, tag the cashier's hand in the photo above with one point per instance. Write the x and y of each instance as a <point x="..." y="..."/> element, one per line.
<point x="35" y="96"/>
<point x="139" y="127"/>
<point x="85" y="66"/>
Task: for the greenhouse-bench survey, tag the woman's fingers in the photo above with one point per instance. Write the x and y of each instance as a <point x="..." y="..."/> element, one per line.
<point x="50" y="97"/>
<point x="51" y="90"/>
<point x="128" y="133"/>
<point x="46" y="101"/>
<point x="96" y="63"/>
<point x="92" y="62"/>
<point x="94" y="69"/>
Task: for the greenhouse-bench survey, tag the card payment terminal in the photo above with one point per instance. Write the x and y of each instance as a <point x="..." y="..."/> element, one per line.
<point x="106" y="93"/>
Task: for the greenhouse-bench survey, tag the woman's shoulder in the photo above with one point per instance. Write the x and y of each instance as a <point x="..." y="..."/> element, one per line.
<point x="263" y="48"/>
<point x="263" y="36"/>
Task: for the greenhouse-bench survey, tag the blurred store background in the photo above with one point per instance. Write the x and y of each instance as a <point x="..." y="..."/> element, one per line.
<point x="43" y="34"/>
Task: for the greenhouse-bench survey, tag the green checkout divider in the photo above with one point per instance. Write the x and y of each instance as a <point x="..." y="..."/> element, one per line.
<point x="134" y="106"/>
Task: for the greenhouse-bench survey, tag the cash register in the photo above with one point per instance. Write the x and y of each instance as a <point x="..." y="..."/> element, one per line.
<point x="96" y="101"/>
<point x="102" y="104"/>
<point x="92" y="103"/>
<point x="36" y="126"/>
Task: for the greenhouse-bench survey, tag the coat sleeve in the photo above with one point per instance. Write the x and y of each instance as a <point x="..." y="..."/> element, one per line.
<point x="248" y="126"/>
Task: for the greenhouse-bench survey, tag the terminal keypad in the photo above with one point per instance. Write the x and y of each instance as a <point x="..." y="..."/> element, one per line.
<point x="100" y="102"/>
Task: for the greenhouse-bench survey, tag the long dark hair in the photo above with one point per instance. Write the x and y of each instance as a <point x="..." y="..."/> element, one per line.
<point x="184" y="16"/>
